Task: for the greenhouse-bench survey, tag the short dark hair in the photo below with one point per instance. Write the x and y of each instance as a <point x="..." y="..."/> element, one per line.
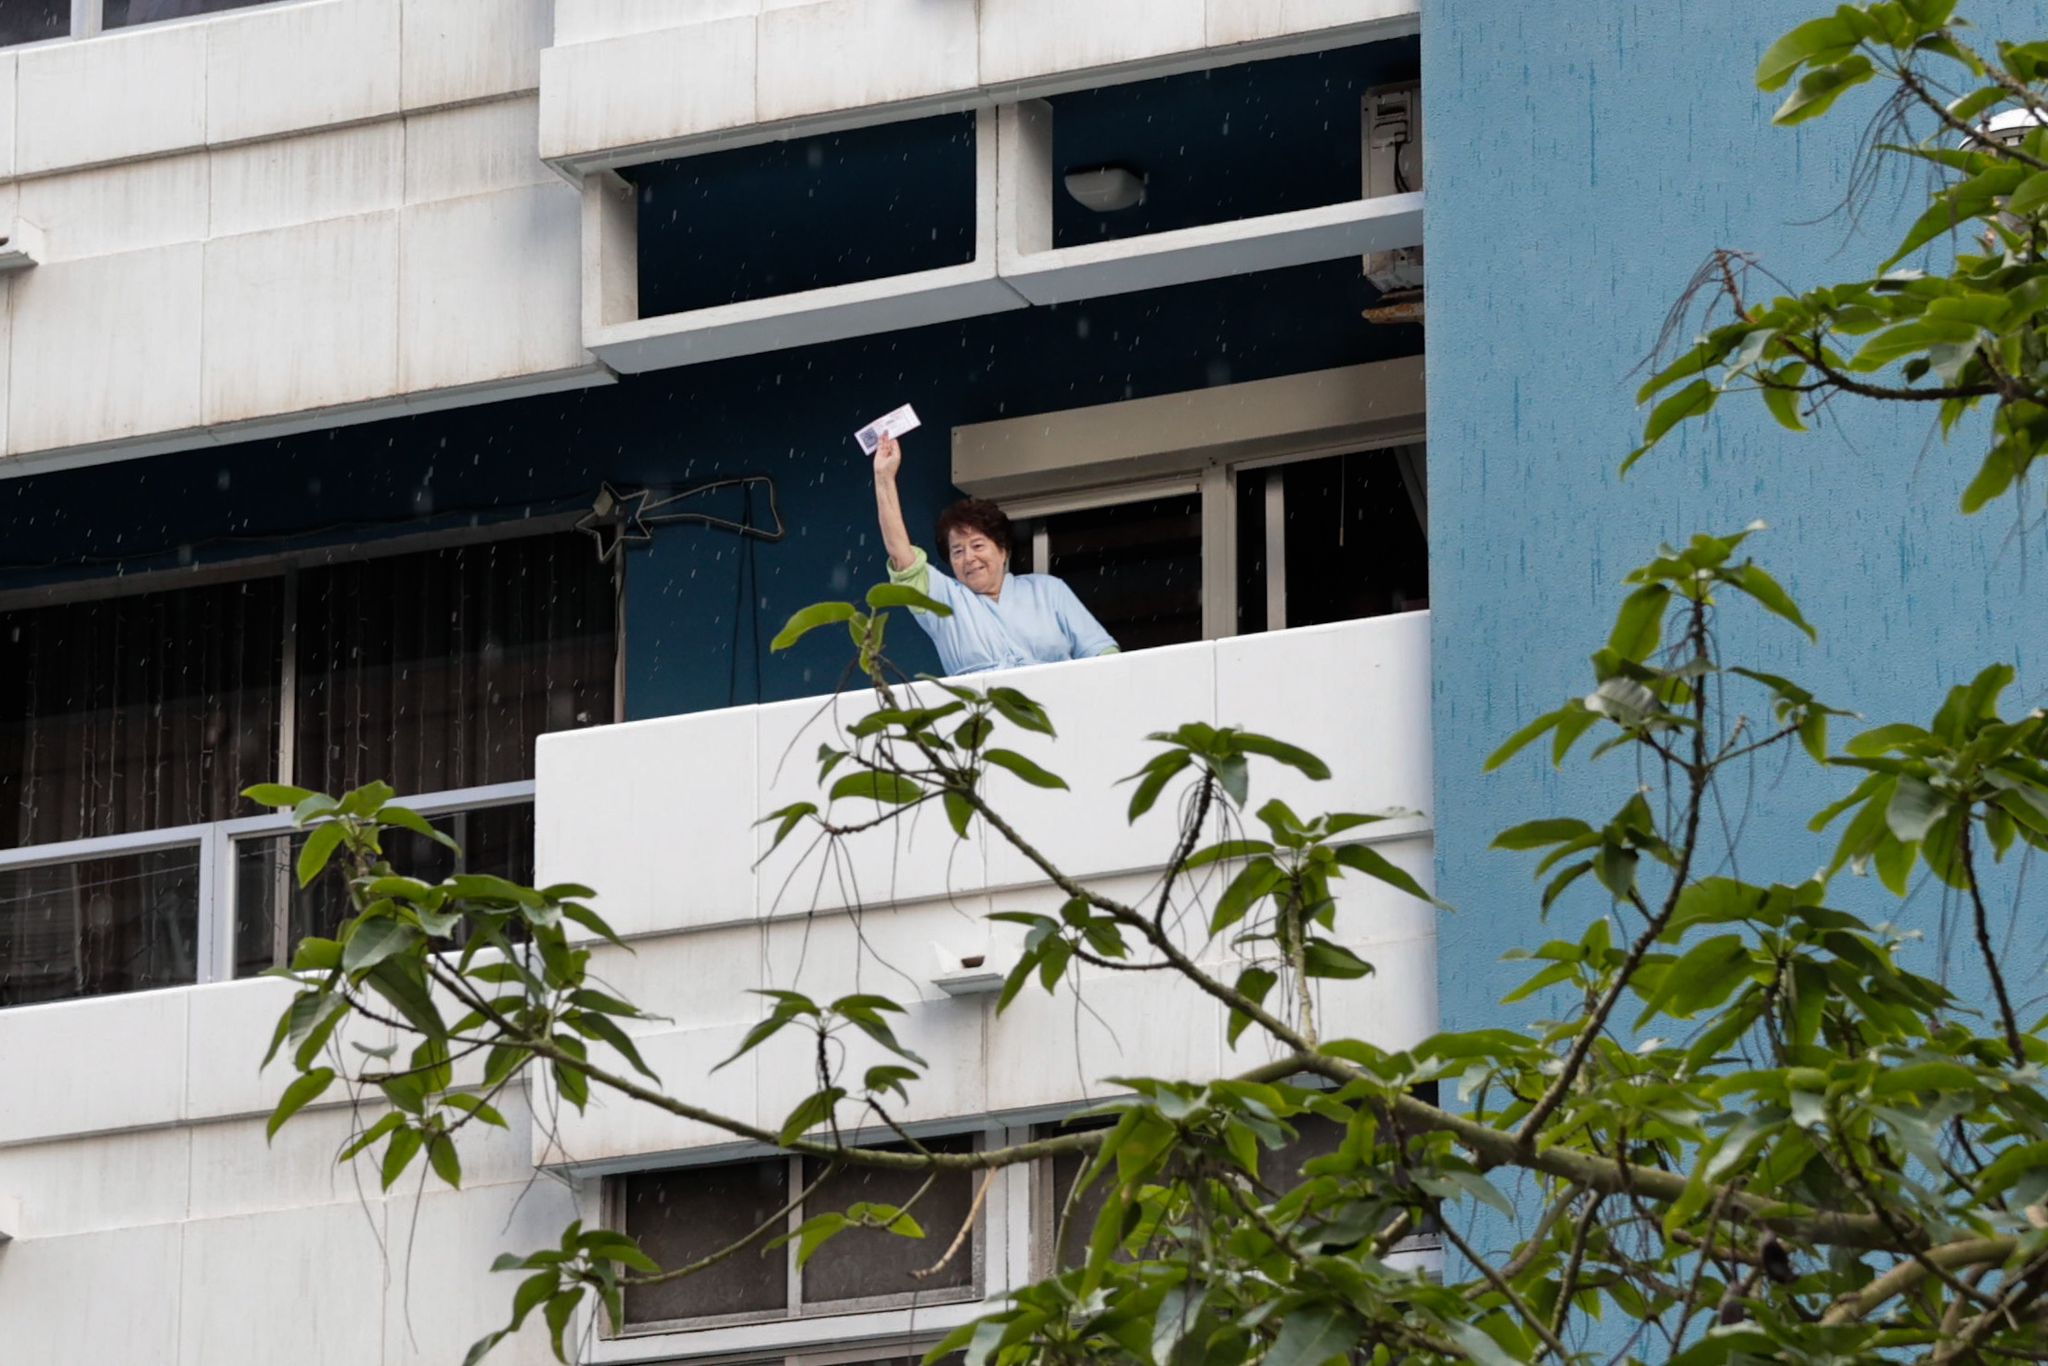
<point x="973" y="514"/>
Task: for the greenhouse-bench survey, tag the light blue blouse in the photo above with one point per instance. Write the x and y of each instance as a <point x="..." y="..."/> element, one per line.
<point x="1036" y="620"/>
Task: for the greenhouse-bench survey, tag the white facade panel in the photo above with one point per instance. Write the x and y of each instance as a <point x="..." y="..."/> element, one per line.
<point x="615" y="1129"/>
<point x="916" y="859"/>
<point x="1027" y="40"/>
<point x="118" y="96"/>
<point x="105" y="348"/>
<point x="454" y="51"/>
<point x="306" y="1286"/>
<point x="83" y="1067"/>
<point x="52" y="1296"/>
<point x="446" y="1242"/>
<point x="474" y="149"/>
<point x="277" y="70"/>
<point x="302" y="317"/>
<point x="590" y="21"/>
<point x="490" y="288"/>
<point x="80" y="1185"/>
<point x="676" y="793"/>
<point x="125" y="207"/>
<point x="9" y="69"/>
<point x="851" y="54"/>
<point x="647" y="87"/>
<point x="281" y="182"/>
<point x="1247" y="21"/>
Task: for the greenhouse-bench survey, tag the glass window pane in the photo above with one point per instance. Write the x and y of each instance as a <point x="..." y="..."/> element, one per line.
<point x="683" y="1215"/>
<point x="122" y="13"/>
<point x="139" y="712"/>
<point x="497" y="840"/>
<point x="31" y="21"/>
<point x="862" y="1263"/>
<point x="1137" y="566"/>
<point x="99" y="926"/>
<point x="438" y="671"/>
<point x="1355" y="542"/>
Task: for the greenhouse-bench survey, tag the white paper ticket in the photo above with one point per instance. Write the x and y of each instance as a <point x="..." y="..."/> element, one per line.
<point x="895" y="423"/>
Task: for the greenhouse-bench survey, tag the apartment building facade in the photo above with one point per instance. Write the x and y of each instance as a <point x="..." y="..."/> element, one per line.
<point x="460" y="393"/>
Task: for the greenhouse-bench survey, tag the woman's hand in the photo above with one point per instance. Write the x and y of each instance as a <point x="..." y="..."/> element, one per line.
<point x="888" y="458"/>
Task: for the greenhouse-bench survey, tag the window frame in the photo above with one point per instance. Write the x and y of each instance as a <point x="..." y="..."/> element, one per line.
<point x="796" y="1309"/>
<point x="216" y="842"/>
<point x="1217" y="484"/>
<point x="1109" y="453"/>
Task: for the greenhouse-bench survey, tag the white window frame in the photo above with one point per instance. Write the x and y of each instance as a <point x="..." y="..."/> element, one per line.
<point x="216" y="842"/>
<point x="1113" y="453"/>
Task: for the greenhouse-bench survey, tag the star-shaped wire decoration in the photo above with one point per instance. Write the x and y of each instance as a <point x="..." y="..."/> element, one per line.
<point x="620" y="519"/>
<point x="615" y="520"/>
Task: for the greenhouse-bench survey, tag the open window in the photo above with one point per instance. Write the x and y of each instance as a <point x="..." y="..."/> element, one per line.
<point x="1238" y="509"/>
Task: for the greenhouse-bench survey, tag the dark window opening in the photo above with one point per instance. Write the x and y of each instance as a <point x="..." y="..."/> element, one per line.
<point x="831" y="209"/>
<point x="1332" y="539"/>
<point x="124" y="13"/>
<point x="273" y="913"/>
<point x="149" y="712"/>
<point x="99" y="926"/>
<point x="686" y="1214"/>
<point x="31" y="21"/>
<point x="1235" y="142"/>
<point x="1137" y="566"/>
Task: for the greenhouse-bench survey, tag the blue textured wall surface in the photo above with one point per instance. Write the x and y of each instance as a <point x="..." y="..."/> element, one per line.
<point x="1583" y="159"/>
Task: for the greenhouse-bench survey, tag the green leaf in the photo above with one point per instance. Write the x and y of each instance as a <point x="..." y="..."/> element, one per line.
<point x="1152" y="779"/>
<point x="1768" y="593"/>
<point x="1020" y="710"/>
<point x="889" y="789"/>
<point x="407" y="819"/>
<point x="902" y="595"/>
<point x="1361" y="858"/>
<point x="1282" y="752"/>
<point x="1324" y="958"/>
<point x="1818" y="89"/>
<point x="1024" y="768"/>
<point x="276" y="794"/>
<point x="1639" y="626"/>
<point x="1815" y="40"/>
<point x="441" y="1155"/>
<point x="399" y="1153"/>
<point x="1252" y="883"/>
<point x="1913" y="809"/>
<point x="1311" y="1336"/>
<point x="1538" y="834"/>
<point x="320" y="847"/>
<point x="373" y="941"/>
<point x="297" y="1096"/>
<point x="1255" y="983"/>
<point x="810" y="619"/>
<point x="1523" y="738"/>
<point x="1694" y="400"/>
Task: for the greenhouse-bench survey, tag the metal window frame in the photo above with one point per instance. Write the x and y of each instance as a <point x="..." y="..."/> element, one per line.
<point x="1216" y="481"/>
<point x="987" y="1247"/>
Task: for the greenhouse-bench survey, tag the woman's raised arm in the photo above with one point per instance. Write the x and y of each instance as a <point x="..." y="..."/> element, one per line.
<point x="889" y="508"/>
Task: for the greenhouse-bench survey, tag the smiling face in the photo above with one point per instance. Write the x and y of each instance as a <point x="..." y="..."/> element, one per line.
<point x="978" y="562"/>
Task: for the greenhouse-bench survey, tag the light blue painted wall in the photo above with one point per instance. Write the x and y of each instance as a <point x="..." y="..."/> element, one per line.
<point x="1583" y="158"/>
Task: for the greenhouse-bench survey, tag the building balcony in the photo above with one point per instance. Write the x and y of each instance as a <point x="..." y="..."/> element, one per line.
<point x="661" y="817"/>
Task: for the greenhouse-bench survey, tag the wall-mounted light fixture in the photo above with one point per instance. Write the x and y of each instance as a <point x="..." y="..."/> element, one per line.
<point x="1106" y="189"/>
<point x="22" y="247"/>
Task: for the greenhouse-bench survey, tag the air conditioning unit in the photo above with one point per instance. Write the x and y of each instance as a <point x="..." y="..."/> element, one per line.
<point x="1391" y="120"/>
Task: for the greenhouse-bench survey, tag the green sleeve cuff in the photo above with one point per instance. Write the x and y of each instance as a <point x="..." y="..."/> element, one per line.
<point x="918" y="578"/>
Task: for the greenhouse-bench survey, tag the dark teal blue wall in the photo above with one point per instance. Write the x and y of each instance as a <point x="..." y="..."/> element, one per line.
<point x="1583" y="159"/>
<point x="790" y="414"/>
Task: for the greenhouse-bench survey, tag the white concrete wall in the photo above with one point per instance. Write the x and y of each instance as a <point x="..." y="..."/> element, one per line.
<point x="659" y="816"/>
<point x="132" y="1156"/>
<point x="280" y="217"/>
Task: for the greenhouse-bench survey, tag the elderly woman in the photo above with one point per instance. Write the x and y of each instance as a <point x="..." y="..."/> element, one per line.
<point x="1000" y="620"/>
